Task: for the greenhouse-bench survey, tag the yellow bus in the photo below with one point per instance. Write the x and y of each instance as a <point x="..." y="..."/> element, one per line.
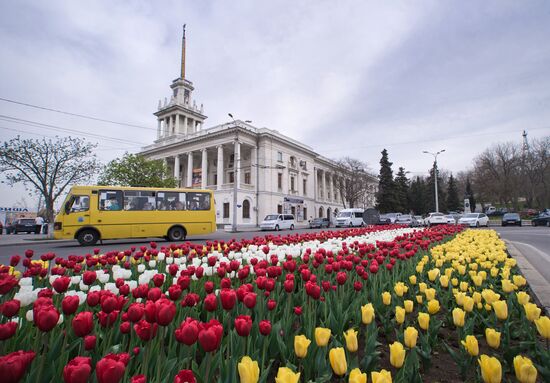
<point x="93" y="213"/>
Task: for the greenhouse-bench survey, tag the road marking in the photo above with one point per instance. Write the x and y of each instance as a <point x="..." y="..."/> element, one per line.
<point x="534" y="248"/>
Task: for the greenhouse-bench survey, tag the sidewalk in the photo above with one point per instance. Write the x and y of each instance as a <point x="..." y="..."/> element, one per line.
<point x="539" y="286"/>
<point x="27" y="239"/>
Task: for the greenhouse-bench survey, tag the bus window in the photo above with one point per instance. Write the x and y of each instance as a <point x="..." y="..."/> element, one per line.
<point x="198" y="201"/>
<point x="139" y="200"/>
<point x="79" y="203"/>
<point x="171" y="201"/>
<point x="110" y="200"/>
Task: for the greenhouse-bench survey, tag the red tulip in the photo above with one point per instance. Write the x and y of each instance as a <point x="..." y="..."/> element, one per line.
<point x="89" y="342"/>
<point x="154" y="294"/>
<point x="78" y="370"/>
<point x="289" y="286"/>
<point x="250" y="300"/>
<point x="228" y="298"/>
<point x="89" y="277"/>
<point x="125" y="327"/>
<point x="111" y="368"/>
<point x="7" y="330"/>
<point x="135" y="312"/>
<point x="10" y="308"/>
<point x="107" y="320"/>
<point x="243" y="325"/>
<point x="7" y="282"/>
<point x="150" y="312"/>
<point x="145" y="330"/>
<point x="166" y="311"/>
<point x="188" y="332"/>
<point x="138" y="379"/>
<point x="185" y="376"/>
<point x="29" y="253"/>
<point x="92" y="299"/>
<point x="341" y="277"/>
<point x="209" y="286"/>
<point x="46" y="317"/>
<point x="184" y="281"/>
<point x="158" y="279"/>
<point x="69" y="304"/>
<point x="210" y="335"/>
<point x="174" y="292"/>
<point x="61" y="284"/>
<point x="108" y="303"/>
<point x="83" y="323"/>
<point x="265" y="327"/>
<point x="14" y="260"/>
<point x="210" y="302"/>
<point x="357" y="286"/>
<point x="298" y="310"/>
<point x="313" y="289"/>
<point x="271" y="304"/>
<point x="14" y="365"/>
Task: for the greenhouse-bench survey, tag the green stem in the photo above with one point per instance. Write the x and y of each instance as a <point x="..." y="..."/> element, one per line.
<point x="208" y="363"/>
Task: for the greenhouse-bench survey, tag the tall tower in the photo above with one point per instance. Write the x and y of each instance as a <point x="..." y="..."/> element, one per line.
<point x="180" y="116"/>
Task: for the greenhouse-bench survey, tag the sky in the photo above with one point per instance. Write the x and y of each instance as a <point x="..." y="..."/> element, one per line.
<point x="347" y="78"/>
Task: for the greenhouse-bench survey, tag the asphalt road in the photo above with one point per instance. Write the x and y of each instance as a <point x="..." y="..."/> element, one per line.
<point x="533" y="242"/>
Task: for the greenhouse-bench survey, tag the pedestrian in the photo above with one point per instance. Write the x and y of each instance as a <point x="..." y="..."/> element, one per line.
<point x="39" y="222"/>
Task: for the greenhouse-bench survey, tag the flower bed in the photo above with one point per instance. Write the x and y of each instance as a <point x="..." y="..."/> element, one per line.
<point x="324" y="306"/>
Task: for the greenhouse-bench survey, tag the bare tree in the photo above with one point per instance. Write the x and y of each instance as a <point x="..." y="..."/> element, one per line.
<point x="48" y="167"/>
<point x="535" y="166"/>
<point x="353" y="182"/>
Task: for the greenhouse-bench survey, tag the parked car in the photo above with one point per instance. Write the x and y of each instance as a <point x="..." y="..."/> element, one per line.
<point x="1" y="228"/>
<point x="350" y="217"/>
<point x="511" y="219"/>
<point x="542" y="219"/>
<point x="384" y="220"/>
<point x="392" y="216"/>
<point x="23" y="225"/>
<point x="278" y="222"/>
<point x="450" y="219"/>
<point x="474" y="220"/>
<point x="418" y="220"/>
<point x="404" y="219"/>
<point x="319" y="223"/>
<point x="435" y="219"/>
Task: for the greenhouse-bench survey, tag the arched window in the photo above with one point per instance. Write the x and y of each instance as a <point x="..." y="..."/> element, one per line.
<point x="320" y="212"/>
<point x="246" y="208"/>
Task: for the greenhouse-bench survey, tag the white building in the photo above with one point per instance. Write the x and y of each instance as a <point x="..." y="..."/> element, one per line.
<point x="269" y="171"/>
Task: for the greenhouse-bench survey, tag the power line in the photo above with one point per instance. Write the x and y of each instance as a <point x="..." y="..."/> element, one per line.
<point x="21" y="121"/>
<point x="76" y="114"/>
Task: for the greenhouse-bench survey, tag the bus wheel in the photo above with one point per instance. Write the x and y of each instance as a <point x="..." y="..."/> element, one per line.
<point x="176" y="233"/>
<point x="87" y="237"/>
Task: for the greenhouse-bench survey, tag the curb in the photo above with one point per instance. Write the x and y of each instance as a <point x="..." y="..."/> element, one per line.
<point x="539" y="286"/>
<point x="36" y="242"/>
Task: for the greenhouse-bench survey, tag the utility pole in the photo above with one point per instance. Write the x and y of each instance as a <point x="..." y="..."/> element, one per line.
<point x="435" y="176"/>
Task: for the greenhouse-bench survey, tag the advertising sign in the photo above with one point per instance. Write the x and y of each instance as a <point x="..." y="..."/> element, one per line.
<point x="197" y="178"/>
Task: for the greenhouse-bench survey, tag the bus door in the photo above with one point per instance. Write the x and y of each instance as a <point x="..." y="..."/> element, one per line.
<point x="77" y="213"/>
<point x="111" y="220"/>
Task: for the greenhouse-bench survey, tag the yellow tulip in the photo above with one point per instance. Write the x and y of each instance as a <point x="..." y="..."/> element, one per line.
<point x="459" y="298"/>
<point x="463" y="286"/>
<point x="519" y="280"/>
<point x="424" y="320"/>
<point x="471" y="345"/>
<point x="532" y="312"/>
<point x="432" y="274"/>
<point x="383" y="376"/>
<point x="397" y="354"/>
<point x="494" y="272"/>
<point x="412" y="279"/>
<point x="490" y="296"/>
<point x="491" y="370"/>
<point x="430" y="294"/>
<point x="337" y="358"/>
<point x="367" y="313"/>
<point x="411" y="336"/>
<point x="400" y="289"/>
<point x="543" y="326"/>
<point x="493" y="337"/>
<point x="399" y="314"/>
<point x="351" y="340"/>
<point x="409" y="305"/>
<point x="422" y="287"/>
<point x="523" y="297"/>
<point x="286" y="375"/>
<point x="419" y="299"/>
<point x="322" y="336"/>
<point x="386" y="298"/>
<point x="468" y="304"/>
<point x="478" y="280"/>
<point x="501" y="309"/>
<point x="433" y="306"/>
<point x="454" y="281"/>
<point x="524" y="369"/>
<point x="249" y="372"/>
<point x="301" y="343"/>
<point x="356" y="376"/>
<point x="476" y="297"/>
<point x="458" y="317"/>
<point x="508" y="286"/>
<point x="444" y="281"/>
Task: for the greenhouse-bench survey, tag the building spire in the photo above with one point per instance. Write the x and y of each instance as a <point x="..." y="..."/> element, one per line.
<point x="183" y="55"/>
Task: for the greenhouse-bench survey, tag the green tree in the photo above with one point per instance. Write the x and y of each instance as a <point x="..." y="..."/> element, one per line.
<point x="48" y="167"/>
<point x="453" y="203"/>
<point x="417" y="196"/>
<point x="469" y="194"/>
<point x="136" y="170"/>
<point x="430" y="185"/>
<point x="402" y="191"/>
<point x="385" y="197"/>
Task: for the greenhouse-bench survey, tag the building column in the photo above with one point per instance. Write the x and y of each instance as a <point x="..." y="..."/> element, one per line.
<point x="253" y="167"/>
<point x="237" y="164"/>
<point x="177" y="169"/>
<point x="204" y="173"/>
<point x="334" y="188"/>
<point x="159" y="127"/>
<point x="184" y="125"/>
<point x="324" y="184"/>
<point x="178" y="129"/>
<point x="191" y="124"/>
<point x="190" y="169"/>
<point x="219" y="177"/>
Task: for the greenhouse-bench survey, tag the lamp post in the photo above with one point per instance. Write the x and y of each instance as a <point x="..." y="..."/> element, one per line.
<point x="435" y="176"/>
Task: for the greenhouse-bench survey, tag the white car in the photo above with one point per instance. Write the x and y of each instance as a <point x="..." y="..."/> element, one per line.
<point x="435" y="219"/>
<point x="450" y="219"/>
<point x="474" y="220"/>
<point x="350" y="217"/>
<point x="278" y="222"/>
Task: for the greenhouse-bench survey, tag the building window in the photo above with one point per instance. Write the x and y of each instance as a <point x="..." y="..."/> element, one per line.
<point x="280" y="156"/>
<point x="215" y="178"/>
<point x="320" y="212"/>
<point x="231" y="177"/>
<point x="226" y="210"/>
<point x="292" y="184"/>
<point x="246" y="208"/>
<point x="304" y="184"/>
<point x="279" y="209"/>
<point x="293" y="161"/>
<point x="305" y="213"/>
<point x="247" y="178"/>
<point x="231" y="160"/>
<point x="280" y="181"/>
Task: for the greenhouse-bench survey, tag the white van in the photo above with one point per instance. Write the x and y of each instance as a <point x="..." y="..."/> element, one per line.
<point x="278" y="222"/>
<point x="350" y="218"/>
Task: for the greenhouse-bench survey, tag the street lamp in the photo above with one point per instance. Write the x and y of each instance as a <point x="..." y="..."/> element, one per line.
<point x="435" y="176"/>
